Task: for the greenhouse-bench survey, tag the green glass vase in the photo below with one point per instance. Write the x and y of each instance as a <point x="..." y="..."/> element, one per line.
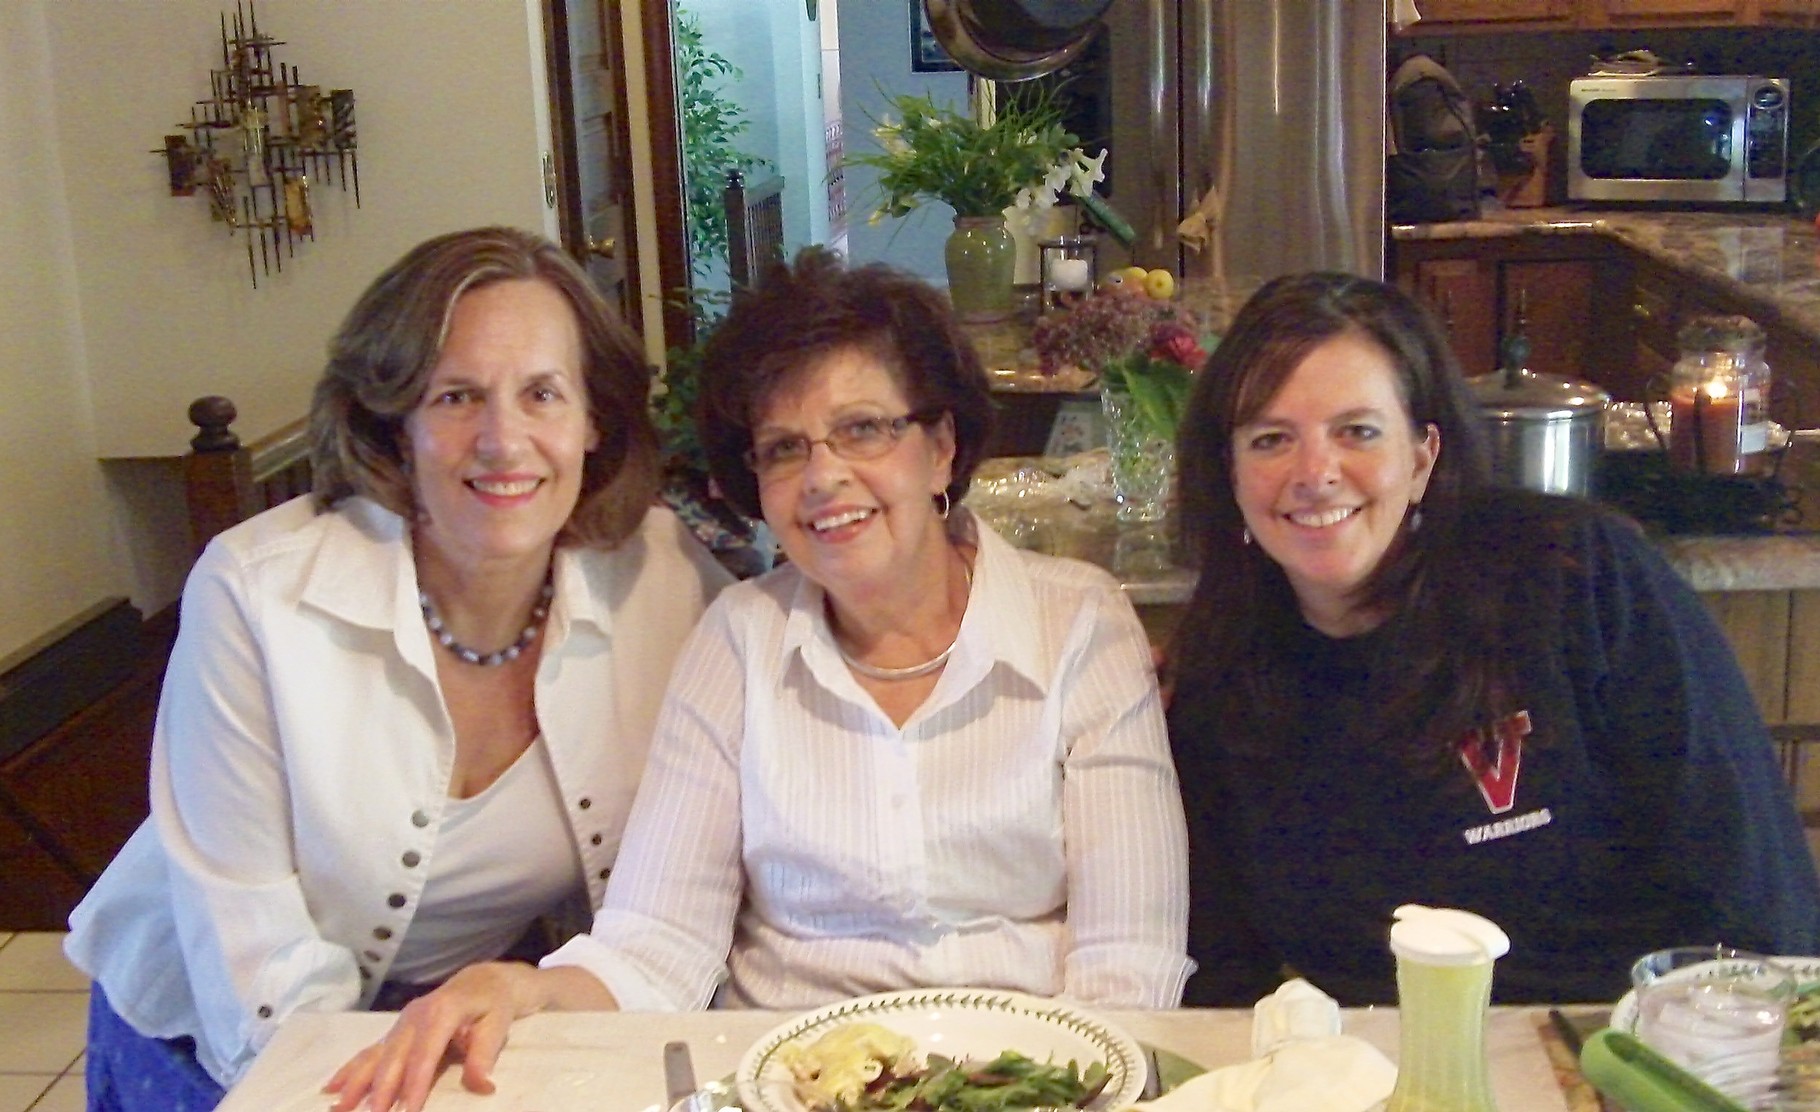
<point x="981" y="257"/>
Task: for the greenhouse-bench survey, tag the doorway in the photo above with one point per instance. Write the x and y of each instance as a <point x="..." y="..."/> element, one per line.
<point x="757" y="91"/>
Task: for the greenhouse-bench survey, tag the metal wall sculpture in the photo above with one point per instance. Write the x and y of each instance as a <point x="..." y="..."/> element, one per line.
<point x="255" y="147"/>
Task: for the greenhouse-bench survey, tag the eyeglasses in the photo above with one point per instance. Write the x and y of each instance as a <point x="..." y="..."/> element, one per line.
<point x="857" y="438"/>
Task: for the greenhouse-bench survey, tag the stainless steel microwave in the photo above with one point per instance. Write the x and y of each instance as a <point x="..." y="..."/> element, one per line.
<point x="1678" y="138"/>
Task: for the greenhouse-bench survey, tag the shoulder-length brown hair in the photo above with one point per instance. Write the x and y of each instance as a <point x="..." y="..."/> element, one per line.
<point x="380" y="361"/>
<point x="799" y="314"/>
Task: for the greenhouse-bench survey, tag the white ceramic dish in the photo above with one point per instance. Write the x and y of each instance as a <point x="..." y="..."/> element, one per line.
<point x="956" y="1023"/>
<point x="1624" y="1013"/>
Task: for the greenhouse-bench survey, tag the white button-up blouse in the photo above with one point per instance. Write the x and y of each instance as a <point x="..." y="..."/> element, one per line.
<point x="302" y="756"/>
<point x="792" y="846"/>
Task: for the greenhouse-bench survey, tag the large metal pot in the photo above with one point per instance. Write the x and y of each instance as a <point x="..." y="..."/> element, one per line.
<point x="1546" y="432"/>
<point x="1014" y="40"/>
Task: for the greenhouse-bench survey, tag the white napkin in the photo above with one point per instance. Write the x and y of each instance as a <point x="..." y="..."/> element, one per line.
<point x="1303" y="1064"/>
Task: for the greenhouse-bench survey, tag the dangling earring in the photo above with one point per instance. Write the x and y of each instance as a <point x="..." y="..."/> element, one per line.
<point x="945" y="502"/>
<point x="1245" y="535"/>
<point x="1415" y="516"/>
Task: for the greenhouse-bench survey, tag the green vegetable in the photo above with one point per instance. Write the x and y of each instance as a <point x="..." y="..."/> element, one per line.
<point x="1009" y="1081"/>
<point x="1803" y="1015"/>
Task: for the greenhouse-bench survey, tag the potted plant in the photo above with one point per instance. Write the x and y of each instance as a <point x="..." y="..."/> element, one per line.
<point x="1022" y="158"/>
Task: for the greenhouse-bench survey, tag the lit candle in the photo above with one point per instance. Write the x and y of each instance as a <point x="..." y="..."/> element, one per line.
<point x="1070" y="275"/>
<point x="1703" y="431"/>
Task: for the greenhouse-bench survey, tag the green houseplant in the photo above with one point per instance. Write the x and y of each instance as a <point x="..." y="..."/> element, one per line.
<point x="710" y="123"/>
<point x="931" y="152"/>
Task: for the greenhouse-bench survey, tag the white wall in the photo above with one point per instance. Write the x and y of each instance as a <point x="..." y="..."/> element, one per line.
<point x="133" y="303"/>
<point x="445" y="111"/>
<point x="875" y="64"/>
<point x="55" y="558"/>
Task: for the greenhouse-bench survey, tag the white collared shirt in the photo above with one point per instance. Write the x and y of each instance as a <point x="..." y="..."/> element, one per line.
<point x="792" y="846"/>
<point x="302" y="757"/>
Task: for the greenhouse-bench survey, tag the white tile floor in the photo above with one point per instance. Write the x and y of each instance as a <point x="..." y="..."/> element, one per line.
<point x="43" y="1025"/>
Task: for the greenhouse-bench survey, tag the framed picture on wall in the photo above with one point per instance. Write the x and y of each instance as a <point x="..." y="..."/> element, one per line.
<point x="926" y="55"/>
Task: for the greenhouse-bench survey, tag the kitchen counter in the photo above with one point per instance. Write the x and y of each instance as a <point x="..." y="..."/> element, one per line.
<point x="1072" y="518"/>
<point x="1770" y="261"/>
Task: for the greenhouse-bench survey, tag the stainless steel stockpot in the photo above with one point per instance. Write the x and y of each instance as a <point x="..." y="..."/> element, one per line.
<point x="1546" y="432"/>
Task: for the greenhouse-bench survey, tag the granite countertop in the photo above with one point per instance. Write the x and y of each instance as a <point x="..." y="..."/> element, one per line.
<point x="1034" y="504"/>
<point x="1771" y="261"/>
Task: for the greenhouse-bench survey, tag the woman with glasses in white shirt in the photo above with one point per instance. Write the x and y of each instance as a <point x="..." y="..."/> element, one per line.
<point x="912" y="756"/>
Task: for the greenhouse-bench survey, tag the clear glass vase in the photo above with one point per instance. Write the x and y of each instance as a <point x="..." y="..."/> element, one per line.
<point x="1142" y="456"/>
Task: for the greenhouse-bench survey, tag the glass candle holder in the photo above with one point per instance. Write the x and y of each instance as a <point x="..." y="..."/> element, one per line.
<point x="1069" y="269"/>
<point x="1718" y="397"/>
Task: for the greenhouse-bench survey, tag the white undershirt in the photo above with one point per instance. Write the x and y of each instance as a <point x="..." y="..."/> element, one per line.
<point x="502" y="858"/>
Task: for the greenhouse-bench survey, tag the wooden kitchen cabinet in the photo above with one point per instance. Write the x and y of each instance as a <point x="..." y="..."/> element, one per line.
<point x="1463" y="293"/>
<point x="1538" y="12"/>
<point x="1568" y="289"/>
<point x="1450" y="16"/>
<point x="1620" y="10"/>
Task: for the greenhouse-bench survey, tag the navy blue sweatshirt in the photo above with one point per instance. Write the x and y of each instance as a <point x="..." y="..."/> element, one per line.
<point x="1633" y="802"/>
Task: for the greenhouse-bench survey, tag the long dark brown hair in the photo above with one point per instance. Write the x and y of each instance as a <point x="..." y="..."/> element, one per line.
<point x="1243" y="605"/>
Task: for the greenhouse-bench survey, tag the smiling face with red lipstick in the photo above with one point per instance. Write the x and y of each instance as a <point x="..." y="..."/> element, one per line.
<point x="1326" y="472"/>
<point x="858" y="523"/>
<point x="498" y="442"/>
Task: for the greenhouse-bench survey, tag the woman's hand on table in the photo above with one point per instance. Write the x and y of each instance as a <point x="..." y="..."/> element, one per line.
<point x="467" y="1019"/>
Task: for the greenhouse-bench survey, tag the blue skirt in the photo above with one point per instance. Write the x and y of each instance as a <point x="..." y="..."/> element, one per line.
<point x="130" y="1072"/>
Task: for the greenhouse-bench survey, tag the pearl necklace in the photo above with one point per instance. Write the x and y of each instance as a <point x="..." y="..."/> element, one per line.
<point x="489" y="660"/>
<point x="910" y="672"/>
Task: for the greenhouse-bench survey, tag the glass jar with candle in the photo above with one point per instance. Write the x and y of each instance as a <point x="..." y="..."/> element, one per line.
<point x="1068" y="265"/>
<point x="1719" y="398"/>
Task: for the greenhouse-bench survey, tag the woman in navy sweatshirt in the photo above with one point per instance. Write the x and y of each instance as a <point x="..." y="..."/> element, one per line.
<point x="1397" y="683"/>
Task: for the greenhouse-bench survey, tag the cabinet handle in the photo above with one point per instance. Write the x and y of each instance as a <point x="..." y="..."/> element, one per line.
<point x="1643" y="311"/>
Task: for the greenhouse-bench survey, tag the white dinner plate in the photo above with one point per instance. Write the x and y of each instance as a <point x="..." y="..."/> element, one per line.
<point x="1805" y="970"/>
<point x="956" y="1023"/>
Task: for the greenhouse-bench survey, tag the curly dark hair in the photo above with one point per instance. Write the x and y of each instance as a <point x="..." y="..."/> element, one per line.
<point x="381" y="358"/>
<point x="801" y="312"/>
<point x="1243" y="603"/>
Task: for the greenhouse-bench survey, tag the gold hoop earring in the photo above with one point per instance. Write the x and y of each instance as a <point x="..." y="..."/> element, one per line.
<point x="1245" y="535"/>
<point x="946" y="504"/>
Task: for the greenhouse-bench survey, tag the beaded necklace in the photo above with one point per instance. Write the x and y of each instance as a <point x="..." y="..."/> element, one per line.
<point x="511" y="652"/>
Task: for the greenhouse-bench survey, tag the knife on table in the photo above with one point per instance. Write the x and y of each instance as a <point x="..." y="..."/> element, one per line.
<point x="679" y="1072"/>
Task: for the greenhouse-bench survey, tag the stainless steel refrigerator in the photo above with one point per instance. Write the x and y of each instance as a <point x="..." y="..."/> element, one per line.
<point x="1276" y="104"/>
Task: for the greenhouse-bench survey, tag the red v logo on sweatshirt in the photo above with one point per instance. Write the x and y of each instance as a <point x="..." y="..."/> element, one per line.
<point x="1496" y="772"/>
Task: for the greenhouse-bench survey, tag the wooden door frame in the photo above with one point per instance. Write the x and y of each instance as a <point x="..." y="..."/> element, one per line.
<point x="662" y="113"/>
<point x="666" y="151"/>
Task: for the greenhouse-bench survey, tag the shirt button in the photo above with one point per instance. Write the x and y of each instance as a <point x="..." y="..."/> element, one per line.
<point x="419" y="819"/>
<point x="265" y="1011"/>
<point x="603" y="873"/>
<point x="396" y="899"/>
<point x="585" y="803"/>
<point x="382" y="933"/>
<point x="365" y="973"/>
<point x="412" y="859"/>
<point x="595" y="840"/>
<point x="371" y="955"/>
